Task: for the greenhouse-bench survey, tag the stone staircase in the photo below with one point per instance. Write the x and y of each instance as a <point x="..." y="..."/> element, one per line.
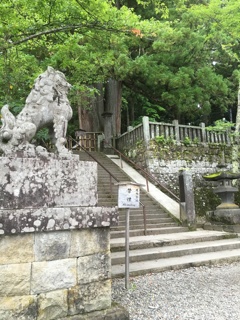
<point x="167" y="245"/>
<point x="158" y="221"/>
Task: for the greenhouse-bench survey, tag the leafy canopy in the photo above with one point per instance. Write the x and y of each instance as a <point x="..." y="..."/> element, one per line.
<point x="176" y="59"/>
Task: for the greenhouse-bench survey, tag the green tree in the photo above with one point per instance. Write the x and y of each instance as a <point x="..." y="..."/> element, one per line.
<point x="180" y="68"/>
<point x="221" y="20"/>
<point x="87" y="40"/>
<point x="170" y="59"/>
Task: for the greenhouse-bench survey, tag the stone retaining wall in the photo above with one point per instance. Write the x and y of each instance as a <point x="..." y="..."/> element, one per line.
<point x="54" y="242"/>
<point x="50" y="275"/>
<point x="164" y="160"/>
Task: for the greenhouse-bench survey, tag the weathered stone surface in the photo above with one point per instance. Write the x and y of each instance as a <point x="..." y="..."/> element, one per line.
<point x="37" y="182"/>
<point x="228" y="216"/>
<point x="52" y="245"/>
<point x="52" y="305"/>
<point x="18" y="308"/>
<point x="51" y="219"/>
<point x="116" y="312"/>
<point x="96" y="267"/>
<point x="16" y="249"/>
<point x="89" y="297"/>
<point x="89" y="241"/>
<point x="188" y="215"/>
<point x="53" y="275"/>
<point x="15" y="279"/>
<point x="46" y="105"/>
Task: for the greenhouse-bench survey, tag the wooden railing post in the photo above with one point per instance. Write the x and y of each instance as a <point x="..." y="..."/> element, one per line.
<point x="146" y="130"/>
<point x="177" y="133"/>
<point x="202" y="125"/>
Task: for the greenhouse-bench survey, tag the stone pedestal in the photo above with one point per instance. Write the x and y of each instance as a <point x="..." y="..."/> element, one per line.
<point x="228" y="216"/>
<point x="187" y="204"/>
<point x="54" y="241"/>
<point x="227" y="213"/>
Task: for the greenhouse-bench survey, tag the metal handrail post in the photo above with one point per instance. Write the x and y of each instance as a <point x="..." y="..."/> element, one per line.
<point x="111" y="191"/>
<point x="147" y="184"/>
<point x="144" y="219"/>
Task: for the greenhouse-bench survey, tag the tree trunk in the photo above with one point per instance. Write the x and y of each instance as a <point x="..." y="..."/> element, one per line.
<point x="238" y="112"/>
<point x="108" y="100"/>
<point x="90" y="111"/>
<point x="235" y="148"/>
<point x="113" y="104"/>
<point x="98" y="109"/>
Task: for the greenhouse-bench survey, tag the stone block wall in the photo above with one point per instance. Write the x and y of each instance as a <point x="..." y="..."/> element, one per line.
<point x="165" y="160"/>
<point x="52" y="275"/>
<point x="54" y="241"/>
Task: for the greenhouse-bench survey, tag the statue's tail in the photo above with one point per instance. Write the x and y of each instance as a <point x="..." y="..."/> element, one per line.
<point x="8" y="123"/>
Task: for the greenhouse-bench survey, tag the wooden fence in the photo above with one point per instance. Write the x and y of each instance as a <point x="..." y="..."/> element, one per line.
<point x="178" y="133"/>
<point x="89" y="140"/>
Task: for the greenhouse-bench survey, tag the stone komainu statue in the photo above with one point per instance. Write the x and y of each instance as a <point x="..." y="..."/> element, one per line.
<point x="46" y="106"/>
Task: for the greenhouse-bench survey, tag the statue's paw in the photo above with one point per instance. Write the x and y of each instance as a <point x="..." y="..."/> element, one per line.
<point x="42" y="152"/>
<point x="66" y="154"/>
<point x="6" y="135"/>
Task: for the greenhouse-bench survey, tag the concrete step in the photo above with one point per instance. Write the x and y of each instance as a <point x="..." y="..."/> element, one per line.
<point x="160" y="265"/>
<point x="149" y="226"/>
<point x="151" y="254"/>
<point x="176" y="251"/>
<point x="104" y="176"/>
<point x="149" y="221"/>
<point x="152" y="231"/>
<point x="103" y="203"/>
<point x="107" y="199"/>
<point x="139" y="216"/>
<point x="152" y="241"/>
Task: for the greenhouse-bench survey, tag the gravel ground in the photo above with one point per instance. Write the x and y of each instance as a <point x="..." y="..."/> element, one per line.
<point x="202" y="293"/>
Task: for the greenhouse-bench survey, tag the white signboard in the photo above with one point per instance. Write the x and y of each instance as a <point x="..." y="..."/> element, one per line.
<point x="128" y="196"/>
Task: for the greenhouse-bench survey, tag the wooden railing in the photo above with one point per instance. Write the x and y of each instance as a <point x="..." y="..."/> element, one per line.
<point x="89" y="140"/>
<point x="176" y="132"/>
<point x="131" y="137"/>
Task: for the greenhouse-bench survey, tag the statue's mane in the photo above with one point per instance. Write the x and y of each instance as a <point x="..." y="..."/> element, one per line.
<point x="47" y="104"/>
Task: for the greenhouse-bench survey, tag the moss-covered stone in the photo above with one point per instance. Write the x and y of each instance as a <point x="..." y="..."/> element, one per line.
<point x="164" y="160"/>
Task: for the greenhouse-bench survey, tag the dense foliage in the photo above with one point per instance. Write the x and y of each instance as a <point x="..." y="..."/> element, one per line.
<point x="176" y="59"/>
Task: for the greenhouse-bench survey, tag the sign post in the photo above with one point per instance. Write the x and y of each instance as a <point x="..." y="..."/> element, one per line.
<point x="127" y="249"/>
<point x="128" y="197"/>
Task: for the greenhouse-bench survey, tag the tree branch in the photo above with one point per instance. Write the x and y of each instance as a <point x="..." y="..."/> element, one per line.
<point x="60" y="29"/>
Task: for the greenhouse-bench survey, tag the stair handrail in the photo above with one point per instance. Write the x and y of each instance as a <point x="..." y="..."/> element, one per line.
<point x="145" y="173"/>
<point x="112" y="176"/>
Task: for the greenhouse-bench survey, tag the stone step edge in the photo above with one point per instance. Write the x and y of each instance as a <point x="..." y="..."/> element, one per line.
<point x="151" y="229"/>
<point x="150" y="224"/>
<point x="153" y="226"/>
<point x="160" y="265"/>
<point x="153" y="220"/>
<point x="161" y="219"/>
<point x="164" y="252"/>
<point x="142" y="242"/>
